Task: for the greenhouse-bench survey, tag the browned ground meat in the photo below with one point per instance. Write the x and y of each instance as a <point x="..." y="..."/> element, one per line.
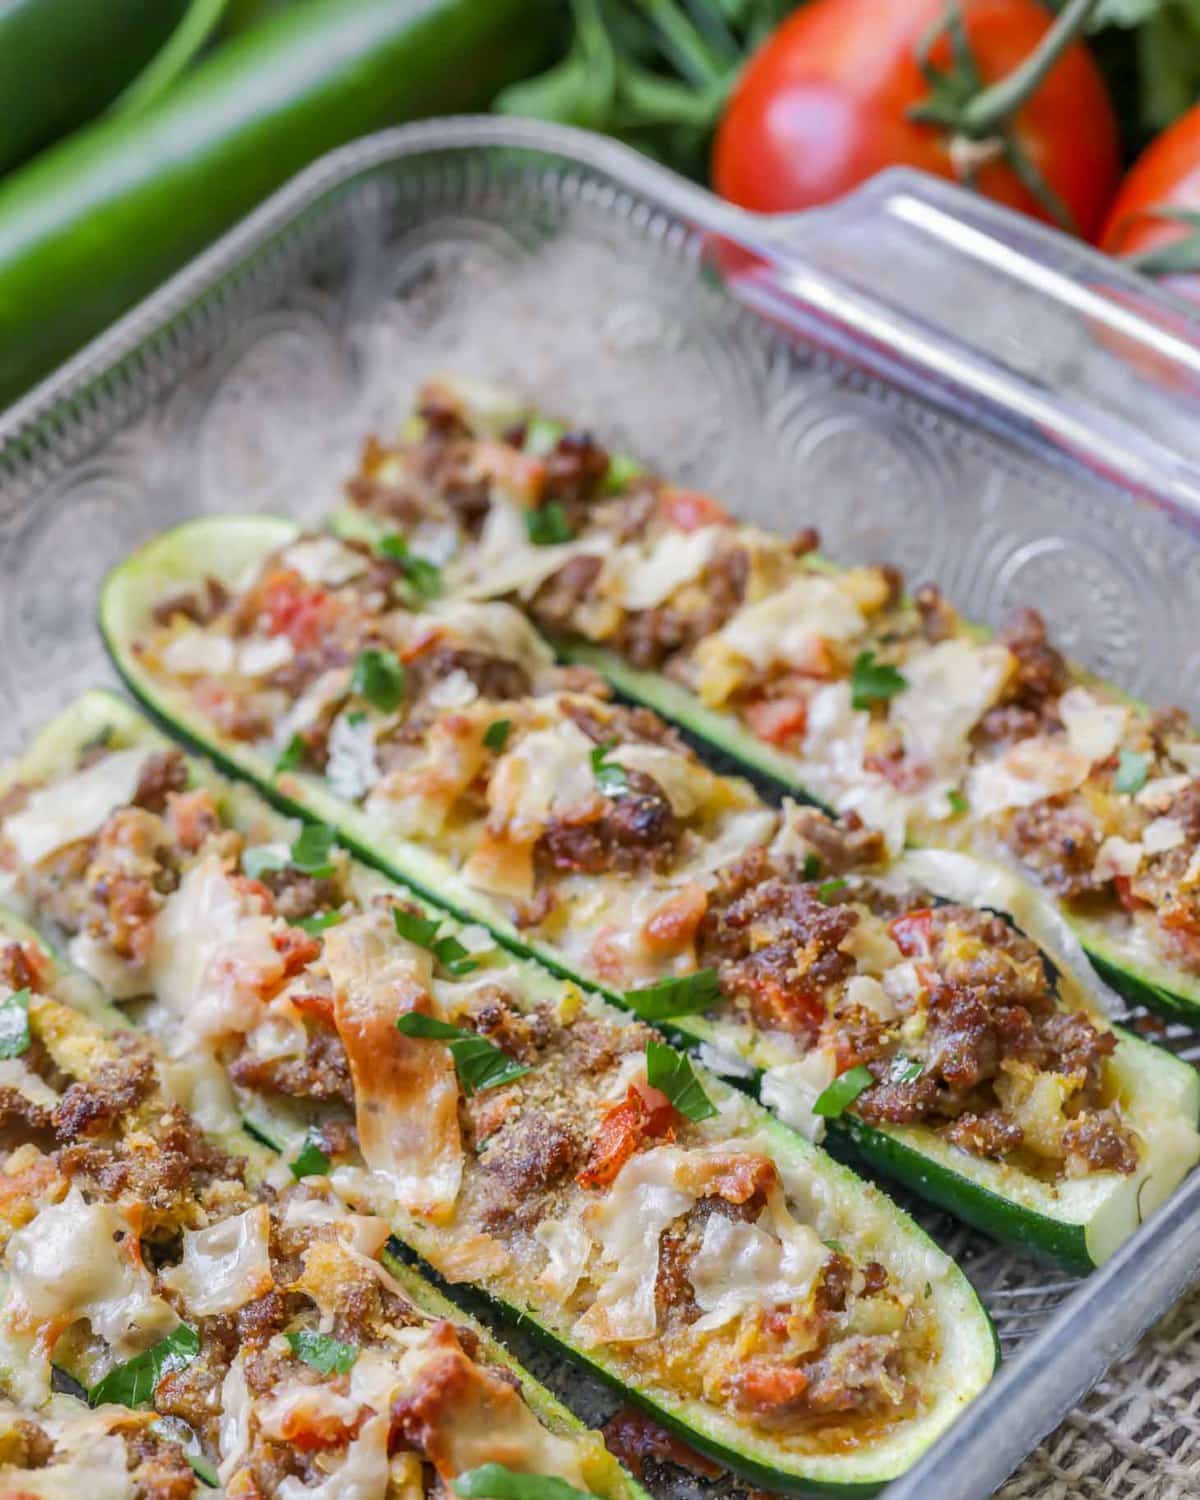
<point x="298" y="896"/>
<point x="648" y="637"/>
<point x="95" y="1107"/>
<point x="201" y="604"/>
<point x="1102" y="1143"/>
<point x="1030" y="701"/>
<point x="938" y="620"/>
<point x="555" y="603"/>
<point x="165" y="772"/>
<point x="165" y="1178"/>
<point x="533" y="1152"/>
<point x="494" y="677"/>
<point x="575" y="468"/>
<point x="625" y="725"/>
<point x="158" y="1468"/>
<point x="636" y="1441"/>
<point x="991" y="1134"/>
<point x="774" y="943"/>
<point x="842" y="843"/>
<point x="1057" y="840"/>
<point x="322" y="1073"/>
<point x="1185" y="808"/>
<point x="638" y="830"/>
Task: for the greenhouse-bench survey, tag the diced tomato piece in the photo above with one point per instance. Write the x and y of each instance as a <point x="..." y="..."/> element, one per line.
<point x="689" y="510"/>
<point x="246" y="885"/>
<point x="911" y="933"/>
<point x="297" y="610"/>
<point x="777" y="720"/>
<point x="1124" y="889"/>
<point x="297" y="948"/>
<point x="778" y="1007"/>
<point x="672" y="926"/>
<point x="645" y="1114"/>
<point x="768" y="1389"/>
<point x="318" y="1006"/>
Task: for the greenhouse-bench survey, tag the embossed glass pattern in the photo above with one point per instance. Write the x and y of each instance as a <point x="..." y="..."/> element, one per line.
<point x="928" y="380"/>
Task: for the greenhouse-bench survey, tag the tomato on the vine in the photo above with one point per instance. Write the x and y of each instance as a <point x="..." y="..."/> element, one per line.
<point x="845" y="88"/>
<point x="1149" y="220"/>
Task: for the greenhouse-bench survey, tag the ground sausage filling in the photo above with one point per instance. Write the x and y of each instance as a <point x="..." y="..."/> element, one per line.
<point x="537" y="1152"/>
<point x="888" y="704"/>
<point x="600" y="834"/>
<point x="247" y="1328"/>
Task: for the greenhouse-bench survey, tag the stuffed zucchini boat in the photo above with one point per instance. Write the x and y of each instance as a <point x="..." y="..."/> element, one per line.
<point x="932" y="1038"/>
<point x="521" y="1136"/>
<point x="832" y="682"/>
<point x="221" y="1313"/>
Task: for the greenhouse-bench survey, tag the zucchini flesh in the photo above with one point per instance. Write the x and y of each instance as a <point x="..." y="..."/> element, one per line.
<point x="81" y="993"/>
<point x="1078" y="1222"/>
<point x="969" y="1350"/>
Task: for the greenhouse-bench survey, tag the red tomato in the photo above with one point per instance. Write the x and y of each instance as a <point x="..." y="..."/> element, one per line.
<point x="777" y="720"/>
<point x="911" y="932"/>
<point x="1166" y="175"/>
<point x="824" y="105"/>
<point x="689" y="510"/>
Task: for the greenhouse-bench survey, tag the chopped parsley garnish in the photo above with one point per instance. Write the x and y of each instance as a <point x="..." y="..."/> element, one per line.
<point x="318" y="924"/>
<point x="812" y="865"/>
<point x="310" y="1160"/>
<point x="292" y="756"/>
<point x="326" y="1355"/>
<point x="1132" y="771"/>
<point x="905" y="1069"/>
<point x="622" y="471"/>
<point x="498" y="1482"/>
<point x="14" y="1024"/>
<point x="842" y="1092"/>
<point x="134" y="1382"/>
<point x="671" y="1073"/>
<point x="425" y="577"/>
<point x="874" y="682"/>
<point x="423" y="931"/>
<point x="958" y="802"/>
<point x="610" y="777"/>
<point x="542" y="435"/>
<point x="676" y="997"/>
<point x="548" y="525"/>
<point x="828" y="889"/>
<point x="310" y="853"/>
<point x="496" y="735"/>
<point x="480" y="1064"/>
<point x="379" y="678"/>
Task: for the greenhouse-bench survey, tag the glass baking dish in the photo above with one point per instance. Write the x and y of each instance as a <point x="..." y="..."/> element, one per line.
<point x="928" y="379"/>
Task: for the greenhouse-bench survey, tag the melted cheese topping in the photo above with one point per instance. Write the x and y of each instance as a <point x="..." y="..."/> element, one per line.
<point x="224" y="1266"/>
<point x="405" y="1088"/>
<point x="950" y="687"/>
<point x="213" y="957"/>
<point x="1094" y="729"/>
<point x="645" y="576"/>
<point x="743" y="1266"/>
<point x="1030" y="771"/>
<point x="498" y="629"/>
<point x="75" y="1261"/>
<point x="548" y="773"/>
<point x="76" y="807"/>
<point x="787" y="626"/>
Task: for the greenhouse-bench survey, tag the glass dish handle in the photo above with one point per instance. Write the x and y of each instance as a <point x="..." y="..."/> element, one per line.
<point x="975" y="302"/>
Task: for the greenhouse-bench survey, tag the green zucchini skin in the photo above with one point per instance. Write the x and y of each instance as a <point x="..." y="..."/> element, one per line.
<point x="947" y="1182"/>
<point x="101" y="711"/>
<point x="421" y="1286"/>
